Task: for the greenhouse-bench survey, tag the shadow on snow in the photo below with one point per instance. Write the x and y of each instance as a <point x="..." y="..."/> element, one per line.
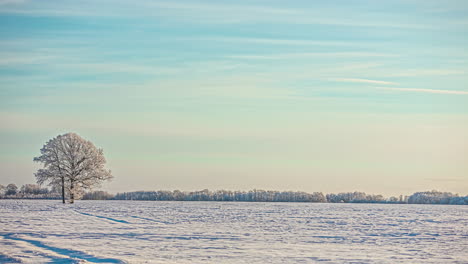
<point x="63" y="251"/>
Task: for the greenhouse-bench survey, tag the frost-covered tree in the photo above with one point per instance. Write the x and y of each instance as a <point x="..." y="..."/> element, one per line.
<point x="355" y="197"/>
<point x="2" y="191"/>
<point x="11" y="189"/>
<point x="72" y="163"/>
<point x="33" y="189"/>
<point x="97" y="195"/>
<point x="431" y="197"/>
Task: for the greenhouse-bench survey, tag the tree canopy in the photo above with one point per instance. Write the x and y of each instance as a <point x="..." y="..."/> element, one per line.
<point x="72" y="163"/>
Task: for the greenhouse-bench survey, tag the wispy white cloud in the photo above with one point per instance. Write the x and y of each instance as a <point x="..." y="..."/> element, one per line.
<point x="426" y="72"/>
<point x="422" y="90"/>
<point x="162" y="9"/>
<point x="356" y="80"/>
<point x="11" y="2"/>
<point x="220" y="7"/>
<point x="273" y="41"/>
<point x="229" y="13"/>
<point x="309" y="55"/>
<point x="203" y="13"/>
<point x="7" y="59"/>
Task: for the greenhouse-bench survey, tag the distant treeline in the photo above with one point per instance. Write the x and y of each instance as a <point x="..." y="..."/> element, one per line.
<point x="34" y="191"/>
<point x="222" y="195"/>
<point x="28" y="191"/>
<point x="430" y="197"/>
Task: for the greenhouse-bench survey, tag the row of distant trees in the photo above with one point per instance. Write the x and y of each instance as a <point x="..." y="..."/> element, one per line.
<point x="429" y="197"/>
<point x="223" y="195"/>
<point x="35" y="191"/>
<point x="27" y="191"/>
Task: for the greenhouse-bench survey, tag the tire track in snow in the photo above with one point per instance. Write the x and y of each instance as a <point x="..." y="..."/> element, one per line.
<point x="69" y="253"/>
<point x="8" y="259"/>
<point x="104" y="217"/>
<point x="149" y="219"/>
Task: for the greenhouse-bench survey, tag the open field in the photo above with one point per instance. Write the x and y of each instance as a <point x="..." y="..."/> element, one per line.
<point x="40" y="231"/>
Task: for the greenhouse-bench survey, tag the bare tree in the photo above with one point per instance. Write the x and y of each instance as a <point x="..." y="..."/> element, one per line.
<point x="72" y="163"/>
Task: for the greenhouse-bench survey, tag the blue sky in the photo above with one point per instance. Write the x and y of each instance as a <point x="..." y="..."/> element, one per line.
<point x="300" y="95"/>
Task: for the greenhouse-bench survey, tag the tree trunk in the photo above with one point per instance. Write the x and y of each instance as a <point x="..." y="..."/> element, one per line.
<point x="63" y="189"/>
<point x="72" y="193"/>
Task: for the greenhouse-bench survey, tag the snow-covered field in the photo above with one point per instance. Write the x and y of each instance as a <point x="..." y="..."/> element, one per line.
<point x="216" y="232"/>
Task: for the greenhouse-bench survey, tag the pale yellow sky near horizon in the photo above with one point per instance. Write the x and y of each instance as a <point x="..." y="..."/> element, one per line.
<point x="383" y="154"/>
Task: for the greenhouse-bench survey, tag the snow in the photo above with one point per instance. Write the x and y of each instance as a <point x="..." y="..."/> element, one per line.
<point x="46" y="231"/>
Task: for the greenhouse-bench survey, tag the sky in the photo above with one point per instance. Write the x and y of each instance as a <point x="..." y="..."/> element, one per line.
<point x="327" y="96"/>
